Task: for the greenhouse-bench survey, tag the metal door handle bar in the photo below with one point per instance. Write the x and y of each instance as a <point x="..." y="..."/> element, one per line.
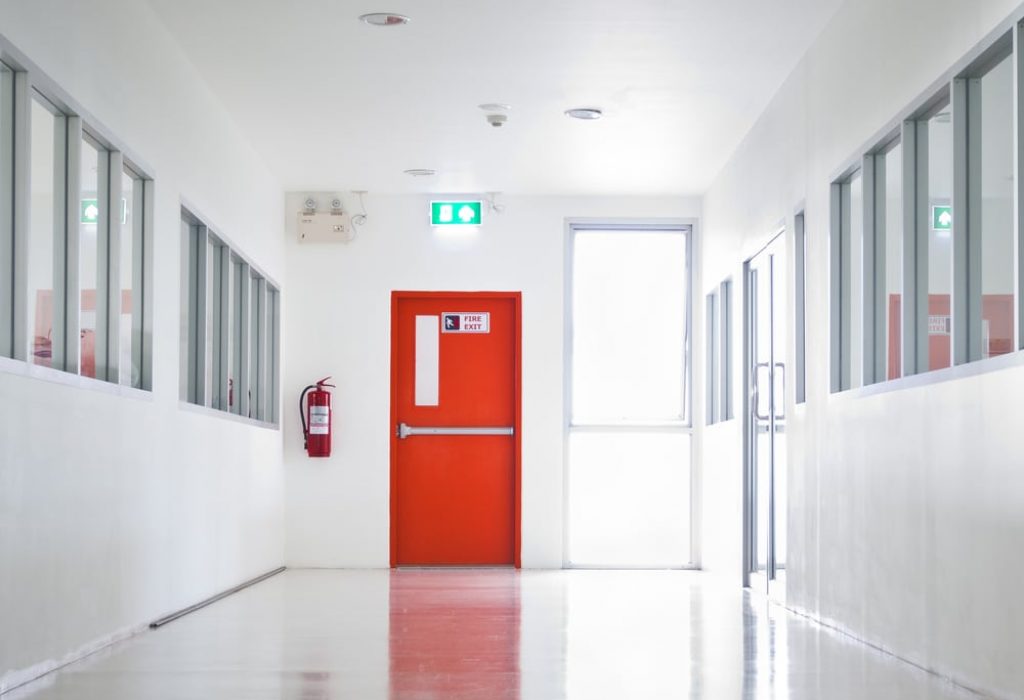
<point x="405" y="431"/>
<point x="756" y="394"/>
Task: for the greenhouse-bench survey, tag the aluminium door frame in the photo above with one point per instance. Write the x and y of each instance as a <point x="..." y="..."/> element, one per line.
<point x="690" y="228"/>
<point x="749" y="445"/>
<point x="517" y="438"/>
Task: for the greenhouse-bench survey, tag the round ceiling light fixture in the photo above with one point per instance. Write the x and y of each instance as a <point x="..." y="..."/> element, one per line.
<point x="384" y="19"/>
<point x="420" y="172"/>
<point x="584" y="113"/>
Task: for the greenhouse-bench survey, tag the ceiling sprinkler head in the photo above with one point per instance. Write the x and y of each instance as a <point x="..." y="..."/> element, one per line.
<point x="497" y="120"/>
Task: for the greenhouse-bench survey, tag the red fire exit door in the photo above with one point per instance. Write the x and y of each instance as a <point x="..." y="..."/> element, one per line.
<point x="455" y="428"/>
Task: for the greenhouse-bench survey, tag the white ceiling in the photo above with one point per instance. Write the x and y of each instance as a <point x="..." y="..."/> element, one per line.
<point x="333" y="104"/>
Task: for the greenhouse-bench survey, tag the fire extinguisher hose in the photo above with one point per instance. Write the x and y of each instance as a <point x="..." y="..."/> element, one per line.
<point x="302" y="415"/>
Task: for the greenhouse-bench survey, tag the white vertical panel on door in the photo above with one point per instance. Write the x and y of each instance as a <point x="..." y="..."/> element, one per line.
<point x="428" y="360"/>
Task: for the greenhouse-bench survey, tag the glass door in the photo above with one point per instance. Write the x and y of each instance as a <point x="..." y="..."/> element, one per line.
<point x="628" y="429"/>
<point x="765" y="473"/>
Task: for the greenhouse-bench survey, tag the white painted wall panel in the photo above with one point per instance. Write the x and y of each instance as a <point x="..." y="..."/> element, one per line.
<point x="116" y="510"/>
<point x="338" y="508"/>
<point x="905" y="507"/>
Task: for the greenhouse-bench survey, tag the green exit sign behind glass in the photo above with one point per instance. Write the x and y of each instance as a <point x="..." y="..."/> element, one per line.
<point x="942" y="218"/>
<point x="455" y="213"/>
<point x="90" y="211"/>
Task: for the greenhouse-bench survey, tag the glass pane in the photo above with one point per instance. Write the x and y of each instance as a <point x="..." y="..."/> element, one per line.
<point x="629" y="326"/>
<point x="725" y="351"/>
<point x="997" y="182"/>
<point x="255" y="349"/>
<point x="856" y="281"/>
<point x="211" y="305"/>
<point x="187" y="293"/>
<point x="238" y="282"/>
<point x="272" y="362"/>
<point x="89" y="216"/>
<point x="940" y="238"/>
<point x="780" y="504"/>
<point x="130" y="219"/>
<point x="218" y="309"/>
<point x="760" y="381"/>
<point x="41" y="234"/>
<point x="800" y="317"/>
<point x="629" y="499"/>
<point x="893" y="260"/>
<point x="711" y="388"/>
<point x="762" y="477"/>
<point x="779" y="330"/>
<point x="6" y="114"/>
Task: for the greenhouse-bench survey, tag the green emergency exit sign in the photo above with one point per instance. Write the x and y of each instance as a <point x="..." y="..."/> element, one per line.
<point x="942" y="218"/>
<point x="90" y="211"/>
<point x="455" y="213"/>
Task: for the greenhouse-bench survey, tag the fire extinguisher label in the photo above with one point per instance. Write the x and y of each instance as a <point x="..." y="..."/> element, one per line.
<point x="319" y="420"/>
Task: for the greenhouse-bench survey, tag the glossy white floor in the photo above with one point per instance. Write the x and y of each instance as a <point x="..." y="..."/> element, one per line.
<point x="317" y="635"/>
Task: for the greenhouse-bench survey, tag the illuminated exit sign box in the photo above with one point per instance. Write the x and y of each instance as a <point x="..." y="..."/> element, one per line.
<point x="455" y="213"/>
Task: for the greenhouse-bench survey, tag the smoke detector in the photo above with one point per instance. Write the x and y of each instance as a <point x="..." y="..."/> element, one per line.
<point x="384" y="19"/>
<point x="584" y="113"/>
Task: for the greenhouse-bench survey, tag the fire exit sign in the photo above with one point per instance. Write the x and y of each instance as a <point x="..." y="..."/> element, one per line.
<point x="455" y="213"/>
<point x="942" y="218"/>
<point x="90" y="211"/>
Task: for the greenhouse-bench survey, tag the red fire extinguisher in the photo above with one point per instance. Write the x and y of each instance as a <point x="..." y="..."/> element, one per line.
<point x="316" y="418"/>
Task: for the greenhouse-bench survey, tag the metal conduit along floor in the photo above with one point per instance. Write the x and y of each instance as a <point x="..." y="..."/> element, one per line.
<point x="425" y="634"/>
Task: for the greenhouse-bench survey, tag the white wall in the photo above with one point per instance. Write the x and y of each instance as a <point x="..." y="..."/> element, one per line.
<point x="906" y="507"/>
<point x="339" y="300"/>
<point x="117" y="509"/>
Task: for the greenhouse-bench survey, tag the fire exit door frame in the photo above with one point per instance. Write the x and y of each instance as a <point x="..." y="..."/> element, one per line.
<point x="517" y="300"/>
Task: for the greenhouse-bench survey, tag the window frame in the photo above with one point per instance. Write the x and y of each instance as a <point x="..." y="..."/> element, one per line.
<point x="841" y="277"/>
<point x="954" y="90"/>
<point x="685" y="227"/>
<point x="876" y="235"/>
<point x="24" y="83"/>
<point x="800" y="304"/>
<point x="226" y="326"/>
<point x="967" y="293"/>
<point x="690" y="227"/>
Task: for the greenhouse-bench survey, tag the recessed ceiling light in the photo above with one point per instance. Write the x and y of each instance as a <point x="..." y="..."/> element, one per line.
<point x="586" y="113"/>
<point x="420" y="172"/>
<point x="495" y="107"/>
<point x="384" y="19"/>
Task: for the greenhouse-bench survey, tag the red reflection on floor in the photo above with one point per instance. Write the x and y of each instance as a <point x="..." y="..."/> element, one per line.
<point x="454" y="634"/>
